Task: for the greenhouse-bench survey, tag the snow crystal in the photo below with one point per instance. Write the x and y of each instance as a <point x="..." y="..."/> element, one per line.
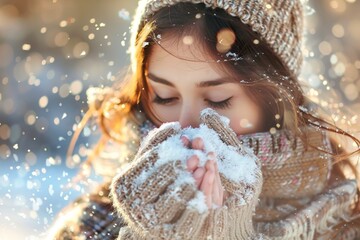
<point x="51" y="189"/>
<point x="235" y="165"/>
<point x="198" y="202"/>
<point x="124" y="14"/>
<point x="184" y="178"/>
<point x="174" y="125"/>
<point x="178" y="151"/>
<point x="309" y="10"/>
<point x="209" y="111"/>
<point x="304" y="109"/>
<point x="228" y="157"/>
<point x="233" y="56"/>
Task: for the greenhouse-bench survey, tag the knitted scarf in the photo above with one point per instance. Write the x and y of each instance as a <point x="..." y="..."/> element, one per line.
<point x="296" y="200"/>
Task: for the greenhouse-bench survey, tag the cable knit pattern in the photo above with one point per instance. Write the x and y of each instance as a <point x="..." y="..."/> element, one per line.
<point x="325" y="215"/>
<point x="320" y="214"/>
<point x="278" y="22"/>
<point x="316" y="218"/>
<point x="161" y="205"/>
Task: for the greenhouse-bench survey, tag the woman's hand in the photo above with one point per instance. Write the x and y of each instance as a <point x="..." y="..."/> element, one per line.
<point x="159" y="196"/>
<point x="207" y="178"/>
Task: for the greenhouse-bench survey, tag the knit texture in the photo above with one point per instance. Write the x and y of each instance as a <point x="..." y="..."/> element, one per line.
<point x="315" y="216"/>
<point x="320" y="214"/>
<point x="91" y="216"/>
<point x="278" y="22"/>
<point x="300" y="169"/>
<point x="162" y="206"/>
<point x="318" y="217"/>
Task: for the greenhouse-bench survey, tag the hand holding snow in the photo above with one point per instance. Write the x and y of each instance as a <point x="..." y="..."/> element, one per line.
<point x="235" y="165"/>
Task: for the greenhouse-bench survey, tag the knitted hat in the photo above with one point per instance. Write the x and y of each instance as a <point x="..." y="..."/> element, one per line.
<point x="278" y="22"/>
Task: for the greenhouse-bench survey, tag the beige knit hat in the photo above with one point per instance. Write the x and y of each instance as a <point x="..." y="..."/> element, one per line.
<point x="279" y="23"/>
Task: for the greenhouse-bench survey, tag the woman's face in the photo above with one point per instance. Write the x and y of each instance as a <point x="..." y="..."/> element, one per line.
<point x="180" y="89"/>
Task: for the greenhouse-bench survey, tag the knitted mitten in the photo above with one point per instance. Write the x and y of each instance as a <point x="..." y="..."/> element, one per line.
<point x="153" y="197"/>
<point x="160" y="200"/>
<point x="234" y="219"/>
<point x="126" y="234"/>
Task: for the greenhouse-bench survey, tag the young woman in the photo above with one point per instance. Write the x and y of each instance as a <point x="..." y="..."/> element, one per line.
<point x="240" y="58"/>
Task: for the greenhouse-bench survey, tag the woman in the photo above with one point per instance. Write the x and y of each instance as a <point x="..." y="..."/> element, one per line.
<point x="242" y="59"/>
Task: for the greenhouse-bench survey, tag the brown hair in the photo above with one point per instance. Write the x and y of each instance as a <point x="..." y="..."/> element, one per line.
<point x="268" y="82"/>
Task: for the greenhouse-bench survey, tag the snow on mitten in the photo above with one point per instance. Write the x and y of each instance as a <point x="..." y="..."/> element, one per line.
<point x="241" y="179"/>
<point x="159" y="199"/>
<point x="153" y="194"/>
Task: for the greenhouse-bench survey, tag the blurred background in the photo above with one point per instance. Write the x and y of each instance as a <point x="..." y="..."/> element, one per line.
<point x="51" y="51"/>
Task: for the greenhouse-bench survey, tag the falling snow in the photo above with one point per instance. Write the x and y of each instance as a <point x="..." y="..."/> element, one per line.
<point x="124" y="14"/>
<point x="48" y="58"/>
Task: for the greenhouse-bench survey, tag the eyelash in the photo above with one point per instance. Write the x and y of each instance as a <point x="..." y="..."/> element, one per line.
<point x="221" y="105"/>
<point x="162" y="101"/>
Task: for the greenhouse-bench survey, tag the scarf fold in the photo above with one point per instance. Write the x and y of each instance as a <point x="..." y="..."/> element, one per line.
<point x="292" y="169"/>
<point x="294" y="203"/>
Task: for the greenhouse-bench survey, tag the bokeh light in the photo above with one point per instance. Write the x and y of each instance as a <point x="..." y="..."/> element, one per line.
<point x="51" y="51"/>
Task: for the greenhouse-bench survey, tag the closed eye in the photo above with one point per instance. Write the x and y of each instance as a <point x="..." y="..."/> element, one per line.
<point x="221" y="105"/>
<point x="163" y="101"/>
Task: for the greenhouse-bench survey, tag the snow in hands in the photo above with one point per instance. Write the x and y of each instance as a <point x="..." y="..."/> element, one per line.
<point x="235" y="165"/>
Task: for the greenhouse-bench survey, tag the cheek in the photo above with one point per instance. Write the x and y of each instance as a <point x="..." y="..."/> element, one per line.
<point x="164" y="114"/>
<point x="237" y="124"/>
<point x="246" y="120"/>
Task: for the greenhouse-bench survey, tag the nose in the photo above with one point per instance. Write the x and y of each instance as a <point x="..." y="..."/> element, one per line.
<point x="189" y="115"/>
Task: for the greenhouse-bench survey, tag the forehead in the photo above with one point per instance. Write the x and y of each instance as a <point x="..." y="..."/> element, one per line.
<point x="174" y="57"/>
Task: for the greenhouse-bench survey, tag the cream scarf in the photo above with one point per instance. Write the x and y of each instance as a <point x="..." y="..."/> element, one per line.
<point x="296" y="201"/>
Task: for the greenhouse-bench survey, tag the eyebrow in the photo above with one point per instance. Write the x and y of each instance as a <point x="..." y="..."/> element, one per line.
<point x="209" y="83"/>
